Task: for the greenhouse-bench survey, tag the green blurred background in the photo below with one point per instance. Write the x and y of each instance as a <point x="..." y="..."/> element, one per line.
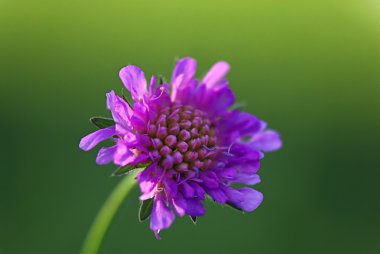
<point x="311" y="69"/>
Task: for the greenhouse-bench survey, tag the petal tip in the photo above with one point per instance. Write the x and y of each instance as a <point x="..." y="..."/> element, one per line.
<point x="134" y="80"/>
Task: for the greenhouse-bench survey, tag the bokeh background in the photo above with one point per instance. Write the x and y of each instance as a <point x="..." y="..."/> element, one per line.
<point x="311" y="69"/>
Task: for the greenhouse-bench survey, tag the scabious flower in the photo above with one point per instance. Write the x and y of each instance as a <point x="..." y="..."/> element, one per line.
<point x="192" y="144"/>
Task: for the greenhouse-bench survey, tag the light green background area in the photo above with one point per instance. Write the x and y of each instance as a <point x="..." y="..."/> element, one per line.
<point x="311" y="69"/>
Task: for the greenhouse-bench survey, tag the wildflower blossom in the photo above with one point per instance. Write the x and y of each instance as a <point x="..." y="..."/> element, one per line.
<point x="190" y="141"/>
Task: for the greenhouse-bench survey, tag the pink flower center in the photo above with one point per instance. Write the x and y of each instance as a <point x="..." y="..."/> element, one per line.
<point x="183" y="138"/>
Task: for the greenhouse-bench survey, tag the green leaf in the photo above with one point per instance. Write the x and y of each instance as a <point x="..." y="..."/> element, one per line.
<point x="193" y="219"/>
<point x="145" y="209"/>
<point x="234" y="207"/>
<point x="127" y="97"/>
<point x="102" y="122"/>
<point x="128" y="169"/>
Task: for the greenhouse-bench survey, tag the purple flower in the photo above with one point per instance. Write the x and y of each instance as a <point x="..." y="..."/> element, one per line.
<point x="193" y="144"/>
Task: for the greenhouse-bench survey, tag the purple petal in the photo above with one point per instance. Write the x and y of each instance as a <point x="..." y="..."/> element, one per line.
<point x="263" y="126"/>
<point x="134" y="80"/>
<point x="185" y="67"/>
<point x="123" y="154"/>
<point x="267" y="141"/>
<point x="187" y="190"/>
<point x="188" y="93"/>
<point x="220" y="101"/>
<point x="91" y="140"/>
<point x="179" y="204"/>
<point x="152" y="84"/>
<point x="162" y="217"/>
<point x="105" y="155"/>
<point x="198" y="190"/>
<point x="236" y="124"/>
<point x="194" y="207"/>
<point x="140" y="117"/>
<point x="217" y="195"/>
<point x="192" y="93"/>
<point x="183" y="73"/>
<point x="121" y="112"/>
<point x="148" y="180"/>
<point x="240" y="153"/>
<point x="159" y="98"/>
<point x="245" y="198"/>
<point x="243" y="171"/>
<point x="171" y="186"/>
<point x="249" y="179"/>
<point x="228" y="173"/>
<point x="131" y="150"/>
<point x="216" y="74"/>
<point x="209" y="182"/>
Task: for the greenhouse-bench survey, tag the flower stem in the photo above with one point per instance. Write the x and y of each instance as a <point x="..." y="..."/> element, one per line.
<point x="106" y="214"/>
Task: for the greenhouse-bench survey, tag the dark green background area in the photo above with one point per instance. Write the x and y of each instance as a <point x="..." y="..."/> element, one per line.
<point x="311" y="69"/>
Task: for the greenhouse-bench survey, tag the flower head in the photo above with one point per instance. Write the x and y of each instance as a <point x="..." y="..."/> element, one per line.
<point x="192" y="143"/>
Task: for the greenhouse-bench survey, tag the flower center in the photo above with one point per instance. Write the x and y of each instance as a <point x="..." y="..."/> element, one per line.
<point x="183" y="138"/>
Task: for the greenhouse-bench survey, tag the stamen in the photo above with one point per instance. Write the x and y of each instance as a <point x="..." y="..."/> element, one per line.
<point x="228" y="154"/>
<point x="210" y="148"/>
<point x="228" y="151"/>
<point x="162" y="91"/>
<point x="229" y="148"/>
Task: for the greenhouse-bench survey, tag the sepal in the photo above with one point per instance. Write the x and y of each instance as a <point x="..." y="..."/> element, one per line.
<point x="145" y="209"/>
<point x="127" y="97"/>
<point x="125" y="170"/>
<point x="102" y="122"/>
<point x="234" y="207"/>
<point x="193" y="219"/>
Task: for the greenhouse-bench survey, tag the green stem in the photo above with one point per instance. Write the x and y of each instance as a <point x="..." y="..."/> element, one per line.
<point x="106" y="214"/>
